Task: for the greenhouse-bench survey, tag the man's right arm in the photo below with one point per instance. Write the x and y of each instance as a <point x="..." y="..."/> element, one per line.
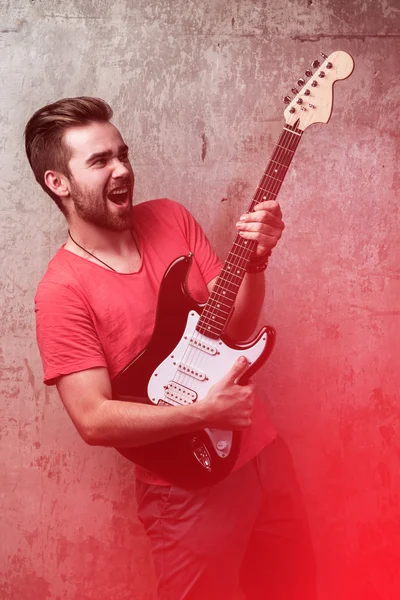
<point x="104" y="421"/>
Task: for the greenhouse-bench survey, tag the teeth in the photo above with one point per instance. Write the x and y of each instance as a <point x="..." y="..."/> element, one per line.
<point x="121" y="191"/>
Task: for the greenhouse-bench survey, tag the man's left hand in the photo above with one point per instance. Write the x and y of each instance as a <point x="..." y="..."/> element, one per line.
<point x="264" y="225"/>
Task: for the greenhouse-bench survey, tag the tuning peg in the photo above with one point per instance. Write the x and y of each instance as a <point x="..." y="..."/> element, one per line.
<point x="308" y="73"/>
<point x="321" y="74"/>
<point x="287" y="100"/>
<point x="295" y="91"/>
<point x="314" y="83"/>
<point x="307" y="92"/>
<point x="315" y="64"/>
<point x="301" y="82"/>
<point x="324" y="56"/>
<point x="329" y="65"/>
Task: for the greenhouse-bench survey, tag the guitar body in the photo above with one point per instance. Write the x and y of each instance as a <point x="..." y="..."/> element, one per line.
<point x="178" y="366"/>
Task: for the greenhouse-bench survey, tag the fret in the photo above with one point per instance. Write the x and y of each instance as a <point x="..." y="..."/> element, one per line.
<point x="228" y="262"/>
<point x="265" y="198"/>
<point x="225" y="292"/>
<point x="224" y="283"/>
<point x="232" y="280"/>
<point x="271" y="177"/>
<point x="217" y="309"/>
<point x="213" y="318"/>
<point x="237" y="271"/>
<point x="236" y="274"/>
<point x="237" y="268"/>
<point x="266" y="190"/>
<point x="219" y="300"/>
<point x="283" y="157"/>
<point x="283" y="148"/>
<point x="207" y="330"/>
<point x="207" y="327"/>
<point x="278" y="163"/>
<point x="278" y="173"/>
<point x="227" y="281"/>
<point x="288" y="159"/>
<point x="242" y="245"/>
<point x="239" y="255"/>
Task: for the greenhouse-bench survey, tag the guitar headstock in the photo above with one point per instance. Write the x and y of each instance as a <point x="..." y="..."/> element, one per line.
<point x="313" y="102"/>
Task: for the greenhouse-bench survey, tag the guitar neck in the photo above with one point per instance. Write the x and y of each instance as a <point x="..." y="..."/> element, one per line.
<point x="220" y="303"/>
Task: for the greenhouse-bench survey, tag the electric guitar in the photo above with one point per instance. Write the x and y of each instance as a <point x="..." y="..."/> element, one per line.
<point x="189" y="350"/>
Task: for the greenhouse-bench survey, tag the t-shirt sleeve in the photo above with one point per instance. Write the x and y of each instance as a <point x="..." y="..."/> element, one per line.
<point x="65" y="332"/>
<point x="204" y="254"/>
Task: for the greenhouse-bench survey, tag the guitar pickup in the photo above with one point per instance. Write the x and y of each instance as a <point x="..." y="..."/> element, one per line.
<point x="192" y="371"/>
<point x="203" y="345"/>
<point x="179" y="393"/>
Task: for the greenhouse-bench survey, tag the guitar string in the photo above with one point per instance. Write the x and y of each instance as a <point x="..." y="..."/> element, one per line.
<point x="273" y="189"/>
<point x="285" y="141"/>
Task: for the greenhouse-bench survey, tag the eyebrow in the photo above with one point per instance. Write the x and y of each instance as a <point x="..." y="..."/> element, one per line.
<point x="105" y="154"/>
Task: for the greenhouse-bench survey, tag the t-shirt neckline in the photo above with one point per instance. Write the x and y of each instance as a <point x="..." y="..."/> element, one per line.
<point x="95" y="264"/>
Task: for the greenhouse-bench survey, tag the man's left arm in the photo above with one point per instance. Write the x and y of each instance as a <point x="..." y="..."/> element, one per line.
<point x="265" y="226"/>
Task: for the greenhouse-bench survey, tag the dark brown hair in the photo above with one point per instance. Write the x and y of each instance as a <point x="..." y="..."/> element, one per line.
<point x="44" y="135"/>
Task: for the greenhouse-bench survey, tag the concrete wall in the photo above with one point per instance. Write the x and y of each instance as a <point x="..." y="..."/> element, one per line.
<point x="196" y="88"/>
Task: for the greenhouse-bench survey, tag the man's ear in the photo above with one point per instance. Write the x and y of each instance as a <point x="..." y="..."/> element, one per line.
<point x="57" y="183"/>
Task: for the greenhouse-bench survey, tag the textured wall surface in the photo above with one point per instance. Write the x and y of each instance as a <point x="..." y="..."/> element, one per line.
<point x="196" y="88"/>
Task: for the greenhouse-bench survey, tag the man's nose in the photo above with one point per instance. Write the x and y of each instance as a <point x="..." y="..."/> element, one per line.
<point x="121" y="168"/>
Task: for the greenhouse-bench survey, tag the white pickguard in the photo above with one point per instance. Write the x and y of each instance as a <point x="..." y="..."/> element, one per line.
<point x="194" y="366"/>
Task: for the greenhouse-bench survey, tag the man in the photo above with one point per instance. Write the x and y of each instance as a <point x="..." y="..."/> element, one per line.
<point x="95" y="309"/>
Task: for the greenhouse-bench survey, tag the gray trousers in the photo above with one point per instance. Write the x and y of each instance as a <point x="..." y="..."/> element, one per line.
<point x="246" y="537"/>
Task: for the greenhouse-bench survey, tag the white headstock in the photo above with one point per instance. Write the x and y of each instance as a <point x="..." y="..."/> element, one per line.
<point x="313" y="102"/>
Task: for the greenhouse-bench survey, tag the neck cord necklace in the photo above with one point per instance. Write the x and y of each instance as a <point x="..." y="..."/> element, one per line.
<point x="96" y="257"/>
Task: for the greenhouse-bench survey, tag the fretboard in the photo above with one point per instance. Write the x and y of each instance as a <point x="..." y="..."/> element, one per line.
<point x="220" y="303"/>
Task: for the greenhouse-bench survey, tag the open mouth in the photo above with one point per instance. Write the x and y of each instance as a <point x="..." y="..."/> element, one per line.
<point x="119" y="196"/>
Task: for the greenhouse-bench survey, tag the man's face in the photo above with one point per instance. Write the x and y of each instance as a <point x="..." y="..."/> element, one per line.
<point x="102" y="180"/>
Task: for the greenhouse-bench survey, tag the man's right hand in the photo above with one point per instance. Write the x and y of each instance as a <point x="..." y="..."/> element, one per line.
<point x="104" y="421"/>
<point x="229" y="405"/>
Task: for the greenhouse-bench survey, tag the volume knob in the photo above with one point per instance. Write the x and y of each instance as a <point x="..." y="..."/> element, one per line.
<point x="222" y="445"/>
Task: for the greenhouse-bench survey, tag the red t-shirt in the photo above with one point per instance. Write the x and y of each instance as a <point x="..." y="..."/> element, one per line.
<point x="88" y="316"/>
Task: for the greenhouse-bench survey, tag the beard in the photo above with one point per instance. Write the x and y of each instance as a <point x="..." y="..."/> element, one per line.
<point x="95" y="209"/>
